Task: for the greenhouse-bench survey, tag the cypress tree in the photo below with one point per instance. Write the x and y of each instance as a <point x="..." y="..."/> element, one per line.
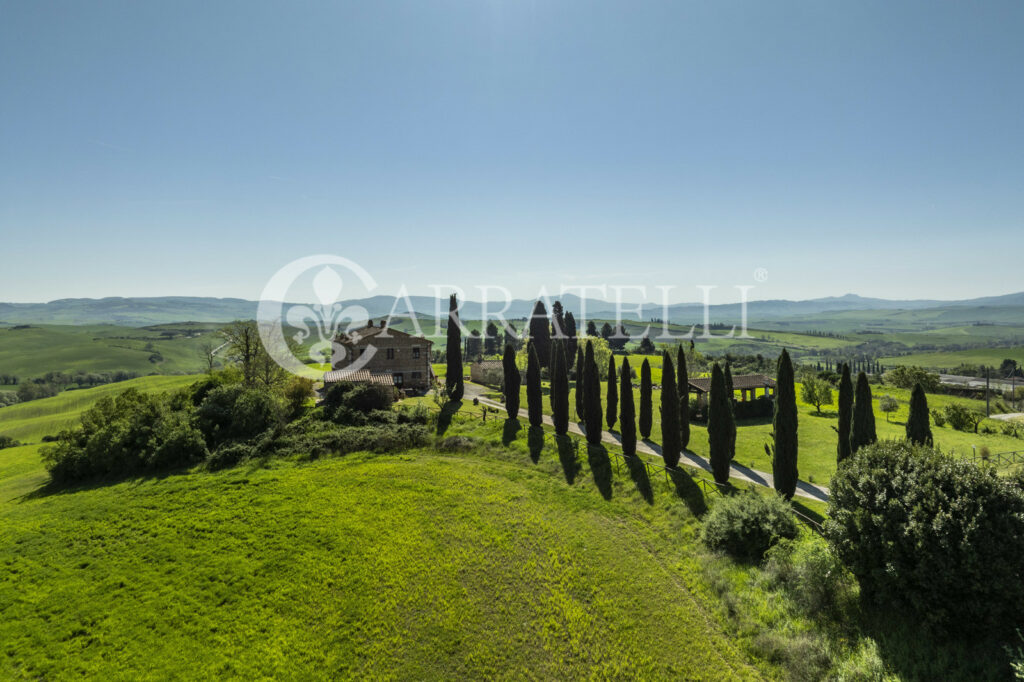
<point x="512" y="382"/>
<point x="784" y="459"/>
<point x="534" y="408"/>
<point x="572" y="342"/>
<point x="611" y="410"/>
<point x="559" y="395"/>
<point x="453" y="381"/>
<point x="918" y="429"/>
<point x="581" y="406"/>
<point x="557" y="322"/>
<point x="683" y="386"/>
<point x="540" y="333"/>
<point x="627" y="418"/>
<point x="646" y="408"/>
<point x="670" y="449"/>
<point x="730" y="393"/>
<point x="863" y="430"/>
<point x="592" y="396"/>
<point x="718" y="426"/>
<point x="845" y="414"/>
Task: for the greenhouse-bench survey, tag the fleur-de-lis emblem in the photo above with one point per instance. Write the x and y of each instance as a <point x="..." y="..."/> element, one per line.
<point x="327" y="317"/>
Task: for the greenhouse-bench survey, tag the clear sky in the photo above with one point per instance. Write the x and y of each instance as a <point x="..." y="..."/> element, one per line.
<point x="193" y="148"/>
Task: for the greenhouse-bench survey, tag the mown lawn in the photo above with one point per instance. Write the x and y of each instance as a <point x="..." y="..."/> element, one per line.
<point x="417" y="566"/>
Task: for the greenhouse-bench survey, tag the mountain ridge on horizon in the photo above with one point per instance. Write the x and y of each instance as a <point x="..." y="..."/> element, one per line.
<point x="143" y="311"/>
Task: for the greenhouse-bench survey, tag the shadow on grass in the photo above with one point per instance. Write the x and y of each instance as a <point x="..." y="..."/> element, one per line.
<point x="688" y="491"/>
<point x="807" y="511"/>
<point x="824" y="415"/>
<point x="445" y="416"/>
<point x="510" y="431"/>
<point x="641" y="479"/>
<point x="535" y="442"/>
<point x="568" y="456"/>
<point x="601" y="468"/>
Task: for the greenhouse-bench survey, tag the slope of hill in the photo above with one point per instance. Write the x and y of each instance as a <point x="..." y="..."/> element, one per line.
<point x="422" y="566"/>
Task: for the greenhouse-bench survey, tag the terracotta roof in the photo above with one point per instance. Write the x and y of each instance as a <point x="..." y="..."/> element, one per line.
<point x="362" y="376"/>
<point x="362" y="333"/>
<point x="739" y="382"/>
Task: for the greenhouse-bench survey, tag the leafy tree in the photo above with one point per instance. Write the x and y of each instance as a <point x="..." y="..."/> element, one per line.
<point x="784" y="426"/>
<point x="618" y="338"/>
<point x="591" y="329"/>
<point x="534" y="408"/>
<point x="931" y="535"/>
<point x="592" y="396"/>
<point x="581" y="405"/>
<point x="540" y="333"/>
<point x="606" y="331"/>
<point x="453" y="381"/>
<point x="888" y="405"/>
<point x="646" y="406"/>
<point x="906" y="377"/>
<point x="817" y="392"/>
<point x="612" y="406"/>
<point x="919" y="431"/>
<point x="963" y="418"/>
<point x="245" y="348"/>
<point x="845" y="414"/>
<point x="559" y="391"/>
<point x="719" y="416"/>
<point x="572" y="342"/>
<point x="627" y="418"/>
<point x="646" y="346"/>
<point x="474" y="345"/>
<point x="670" y="448"/>
<point x="683" y="386"/>
<point x="511" y="383"/>
<point x="863" y="431"/>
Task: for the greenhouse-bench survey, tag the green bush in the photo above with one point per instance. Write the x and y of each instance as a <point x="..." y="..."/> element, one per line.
<point x="232" y="412"/>
<point x="8" y="442"/>
<point x="811" y="575"/>
<point x="344" y="398"/>
<point x="937" y="537"/>
<point x="746" y="525"/>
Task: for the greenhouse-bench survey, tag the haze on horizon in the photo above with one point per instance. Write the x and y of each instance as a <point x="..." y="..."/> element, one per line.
<point x="195" y="148"/>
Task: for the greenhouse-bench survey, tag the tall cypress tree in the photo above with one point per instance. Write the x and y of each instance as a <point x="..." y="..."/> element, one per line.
<point x="627" y="418"/>
<point x="918" y="429"/>
<point x="557" y="322"/>
<point x="572" y="343"/>
<point x="845" y="414"/>
<point x="592" y="396"/>
<point x="540" y="332"/>
<point x="646" y="408"/>
<point x="453" y="381"/>
<point x="683" y="386"/>
<point x="718" y="426"/>
<point x="559" y="395"/>
<point x="670" y="449"/>
<point x="534" y="408"/>
<point x="863" y="431"/>
<point x="612" y="407"/>
<point x="581" y="405"/>
<point x="730" y="393"/>
<point x="784" y="459"/>
<point x="512" y="382"/>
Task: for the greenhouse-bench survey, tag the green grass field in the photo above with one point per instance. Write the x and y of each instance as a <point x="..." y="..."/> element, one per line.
<point x="29" y="422"/>
<point x="949" y="359"/>
<point x="419" y="566"/>
<point x="166" y="349"/>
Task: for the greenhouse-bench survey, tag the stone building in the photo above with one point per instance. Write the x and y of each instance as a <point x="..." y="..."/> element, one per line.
<point x="383" y="355"/>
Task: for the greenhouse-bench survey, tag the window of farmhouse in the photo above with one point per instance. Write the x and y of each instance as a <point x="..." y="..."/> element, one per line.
<point x="391" y="353"/>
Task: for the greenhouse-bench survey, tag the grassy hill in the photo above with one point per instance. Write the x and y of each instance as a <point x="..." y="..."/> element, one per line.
<point x="29" y="422"/>
<point x="425" y="565"/>
<point x="37" y="349"/>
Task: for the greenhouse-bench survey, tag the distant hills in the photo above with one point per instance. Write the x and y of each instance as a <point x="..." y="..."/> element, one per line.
<point x="830" y="313"/>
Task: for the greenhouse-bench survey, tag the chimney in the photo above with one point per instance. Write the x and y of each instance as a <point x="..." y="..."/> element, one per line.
<point x="383" y="323"/>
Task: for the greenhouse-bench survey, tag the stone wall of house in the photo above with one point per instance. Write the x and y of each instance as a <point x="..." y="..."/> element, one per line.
<point x="405" y="357"/>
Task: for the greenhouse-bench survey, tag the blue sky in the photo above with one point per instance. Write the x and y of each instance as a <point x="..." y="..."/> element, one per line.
<point x="186" y="148"/>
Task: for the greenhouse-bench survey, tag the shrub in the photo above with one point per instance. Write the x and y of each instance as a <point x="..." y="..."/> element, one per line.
<point x="233" y="412"/>
<point x="8" y="442"/>
<point x="939" y="417"/>
<point x="962" y="418"/>
<point x="345" y="397"/>
<point x="811" y="574"/>
<point x="229" y="455"/>
<point x="936" y="536"/>
<point x="906" y="377"/>
<point x="746" y="525"/>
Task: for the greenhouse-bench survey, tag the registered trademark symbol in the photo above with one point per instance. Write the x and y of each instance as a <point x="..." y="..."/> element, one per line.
<point x="761" y="275"/>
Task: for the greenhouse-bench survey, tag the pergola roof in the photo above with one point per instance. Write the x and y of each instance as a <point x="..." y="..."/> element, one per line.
<point x="362" y="376"/>
<point x="740" y="382"/>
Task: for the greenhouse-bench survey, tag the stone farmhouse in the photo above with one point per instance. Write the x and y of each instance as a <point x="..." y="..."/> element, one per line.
<point x="398" y="359"/>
